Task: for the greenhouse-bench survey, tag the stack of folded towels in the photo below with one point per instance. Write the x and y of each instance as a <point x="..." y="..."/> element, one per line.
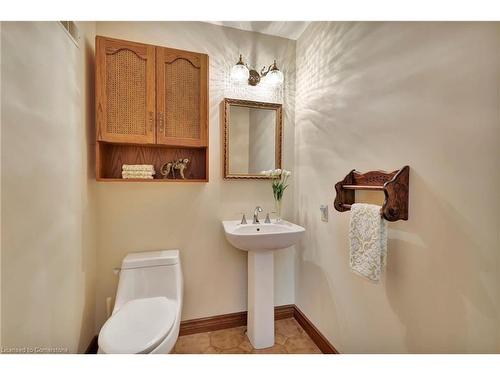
<point x="144" y="171"/>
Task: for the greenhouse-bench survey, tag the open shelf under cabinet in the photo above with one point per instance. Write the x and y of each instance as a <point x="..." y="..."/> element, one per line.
<point x="112" y="156"/>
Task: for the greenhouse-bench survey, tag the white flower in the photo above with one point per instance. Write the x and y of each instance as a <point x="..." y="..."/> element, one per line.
<point x="288" y="173"/>
<point x="278" y="172"/>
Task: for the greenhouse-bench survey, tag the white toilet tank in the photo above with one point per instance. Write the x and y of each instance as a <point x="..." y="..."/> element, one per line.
<point x="150" y="274"/>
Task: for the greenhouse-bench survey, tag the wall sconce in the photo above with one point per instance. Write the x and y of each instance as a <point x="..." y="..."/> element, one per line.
<point x="241" y="73"/>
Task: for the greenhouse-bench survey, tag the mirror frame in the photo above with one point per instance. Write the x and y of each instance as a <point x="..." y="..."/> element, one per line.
<point x="278" y="135"/>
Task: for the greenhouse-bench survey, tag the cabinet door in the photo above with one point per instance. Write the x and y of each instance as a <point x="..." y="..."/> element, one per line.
<point x="125" y="91"/>
<point x="181" y="97"/>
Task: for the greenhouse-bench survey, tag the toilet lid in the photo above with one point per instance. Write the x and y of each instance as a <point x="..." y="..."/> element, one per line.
<point x="139" y="326"/>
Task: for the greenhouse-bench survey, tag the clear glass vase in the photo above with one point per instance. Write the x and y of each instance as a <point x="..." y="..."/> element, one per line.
<point x="277" y="207"/>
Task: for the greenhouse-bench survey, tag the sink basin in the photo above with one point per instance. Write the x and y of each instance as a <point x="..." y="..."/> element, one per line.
<point x="260" y="240"/>
<point x="262" y="237"/>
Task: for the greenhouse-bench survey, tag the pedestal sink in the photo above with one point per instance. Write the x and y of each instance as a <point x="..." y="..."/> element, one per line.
<point x="260" y="240"/>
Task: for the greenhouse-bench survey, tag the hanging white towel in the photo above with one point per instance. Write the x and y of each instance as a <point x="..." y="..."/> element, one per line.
<point x="368" y="241"/>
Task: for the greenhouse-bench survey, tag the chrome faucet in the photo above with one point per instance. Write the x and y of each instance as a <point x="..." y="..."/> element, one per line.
<point x="256" y="215"/>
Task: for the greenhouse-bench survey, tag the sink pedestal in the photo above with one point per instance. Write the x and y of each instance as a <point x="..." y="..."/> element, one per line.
<point x="261" y="240"/>
<point x="260" y="320"/>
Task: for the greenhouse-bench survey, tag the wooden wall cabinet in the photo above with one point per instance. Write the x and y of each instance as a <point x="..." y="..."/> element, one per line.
<point x="125" y="91"/>
<point x="151" y="108"/>
<point x="181" y="97"/>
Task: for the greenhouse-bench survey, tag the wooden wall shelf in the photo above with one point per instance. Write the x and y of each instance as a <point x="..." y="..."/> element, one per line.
<point x="395" y="186"/>
<point x="111" y="157"/>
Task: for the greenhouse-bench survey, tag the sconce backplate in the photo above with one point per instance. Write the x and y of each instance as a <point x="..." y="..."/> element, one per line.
<point x="254" y="77"/>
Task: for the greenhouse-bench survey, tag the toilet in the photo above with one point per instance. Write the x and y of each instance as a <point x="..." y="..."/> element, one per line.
<point x="147" y="312"/>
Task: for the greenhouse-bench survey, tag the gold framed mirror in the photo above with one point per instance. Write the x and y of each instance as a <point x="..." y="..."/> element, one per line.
<point x="253" y="136"/>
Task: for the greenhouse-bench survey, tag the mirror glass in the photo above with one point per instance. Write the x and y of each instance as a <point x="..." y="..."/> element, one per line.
<point x="253" y="132"/>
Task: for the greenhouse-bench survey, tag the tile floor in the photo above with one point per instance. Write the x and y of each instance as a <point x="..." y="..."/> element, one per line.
<point x="290" y="338"/>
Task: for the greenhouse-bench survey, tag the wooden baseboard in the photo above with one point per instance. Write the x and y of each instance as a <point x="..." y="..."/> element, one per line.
<point x="238" y="319"/>
<point x="321" y="341"/>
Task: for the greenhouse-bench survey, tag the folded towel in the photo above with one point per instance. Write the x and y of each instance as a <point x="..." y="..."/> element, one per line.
<point x="368" y="241"/>
<point x="137" y="177"/>
<point x="138" y="167"/>
<point x="150" y="173"/>
<point x="137" y="174"/>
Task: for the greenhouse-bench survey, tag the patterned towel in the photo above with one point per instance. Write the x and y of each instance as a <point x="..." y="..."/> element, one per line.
<point x="368" y="241"/>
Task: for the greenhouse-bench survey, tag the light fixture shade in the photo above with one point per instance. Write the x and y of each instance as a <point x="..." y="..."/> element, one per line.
<point x="239" y="73"/>
<point x="274" y="77"/>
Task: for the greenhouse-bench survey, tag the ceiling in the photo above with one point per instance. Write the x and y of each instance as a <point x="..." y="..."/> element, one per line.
<point x="285" y="29"/>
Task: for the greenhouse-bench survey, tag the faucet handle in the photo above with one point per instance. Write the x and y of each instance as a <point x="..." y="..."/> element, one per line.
<point x="243" y="219"/>
<point x="268" y="220"/>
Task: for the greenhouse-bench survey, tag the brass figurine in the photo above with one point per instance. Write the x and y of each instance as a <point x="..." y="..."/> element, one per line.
<point x="171" y="166"/>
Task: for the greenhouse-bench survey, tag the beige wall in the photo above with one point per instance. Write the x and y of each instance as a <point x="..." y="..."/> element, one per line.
<point x="48" y="242"/>
<point x="140" y="216"/>
<point x="1" y="231"/>
<point x="379" y="96"/>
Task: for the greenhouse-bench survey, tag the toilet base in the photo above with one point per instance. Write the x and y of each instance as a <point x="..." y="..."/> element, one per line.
<point x="166" y="346"/>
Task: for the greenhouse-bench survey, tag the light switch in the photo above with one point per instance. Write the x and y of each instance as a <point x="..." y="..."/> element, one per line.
<point x="324" y="212"/>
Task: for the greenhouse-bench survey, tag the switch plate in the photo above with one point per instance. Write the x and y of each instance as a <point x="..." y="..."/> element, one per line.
<point x="324" y="212"/>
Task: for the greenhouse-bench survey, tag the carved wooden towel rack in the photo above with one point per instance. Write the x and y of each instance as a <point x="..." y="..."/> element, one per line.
<point x="394" y="185"/>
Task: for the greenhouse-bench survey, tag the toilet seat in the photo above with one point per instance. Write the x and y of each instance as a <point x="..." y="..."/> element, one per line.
<point x="139" y="326"/>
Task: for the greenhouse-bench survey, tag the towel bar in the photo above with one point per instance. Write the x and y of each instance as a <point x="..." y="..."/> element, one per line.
<point x="395" y="186"/>
<point x="348" y="207"/>
<point x="362" y="187"/>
